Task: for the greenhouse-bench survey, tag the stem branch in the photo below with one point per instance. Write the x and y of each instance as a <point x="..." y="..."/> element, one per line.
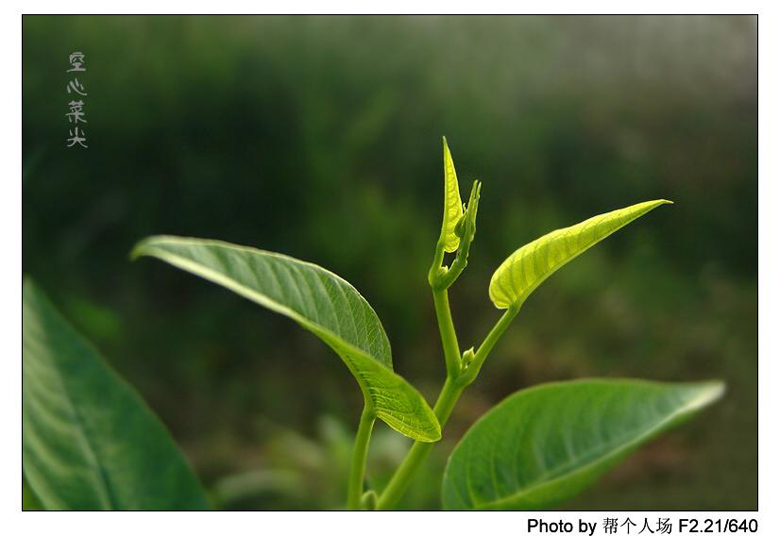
<point x="450" y="393"/>
<point x="470" y="373"/>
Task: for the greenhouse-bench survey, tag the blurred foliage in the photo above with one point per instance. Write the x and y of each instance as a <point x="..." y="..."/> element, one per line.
<point x="320" y="137"/>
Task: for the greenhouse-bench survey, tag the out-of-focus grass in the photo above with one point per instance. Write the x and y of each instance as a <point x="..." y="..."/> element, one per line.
<point x="320" y="138"/>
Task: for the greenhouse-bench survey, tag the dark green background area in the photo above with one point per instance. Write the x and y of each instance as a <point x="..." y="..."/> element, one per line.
<point x="320" y="137"/>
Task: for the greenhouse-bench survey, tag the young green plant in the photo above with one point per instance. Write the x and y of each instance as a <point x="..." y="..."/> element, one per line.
<point x="332" y="309"/>
<point x="540" y="446"/>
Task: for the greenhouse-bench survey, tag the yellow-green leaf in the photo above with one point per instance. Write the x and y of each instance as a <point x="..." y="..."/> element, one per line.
<point x="453" y="206"/>
<point x="529" y="266"/>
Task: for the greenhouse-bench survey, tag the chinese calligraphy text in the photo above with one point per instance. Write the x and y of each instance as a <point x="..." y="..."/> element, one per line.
<point x="76" y="114"/>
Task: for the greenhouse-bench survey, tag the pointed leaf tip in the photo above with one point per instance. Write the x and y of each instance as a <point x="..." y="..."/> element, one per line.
<point x="523" y="271"/>
<point x="576" y="431"/>
<point x="453" y="205"/>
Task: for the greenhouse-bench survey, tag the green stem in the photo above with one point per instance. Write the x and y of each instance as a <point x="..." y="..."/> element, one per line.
<point x="449" y="395"/>
<point x="355" y="489"/>
<point x="446" y="402"/>
<point x="436" y="265"/>
<point x="472" y="370"/>
<point x="449" y="339"/>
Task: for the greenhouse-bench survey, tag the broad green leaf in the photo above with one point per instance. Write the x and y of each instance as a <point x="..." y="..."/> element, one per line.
<point x="524" y="270"/>
<point x="545" y="444"/>
<point x="453" y="206"/>
<point x="319" y="301"/>
<point x="89" y="441"/>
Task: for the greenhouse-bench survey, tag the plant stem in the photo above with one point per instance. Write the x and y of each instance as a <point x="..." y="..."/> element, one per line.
<point x="472" y="370"/>
<point x="355" y="489"/>
<point x="449" y="339"/>
<point x="448" y="397"/>
<point x="459" y="373"/>
<point x="450" y="393"/>
<point x="436" y="268"/>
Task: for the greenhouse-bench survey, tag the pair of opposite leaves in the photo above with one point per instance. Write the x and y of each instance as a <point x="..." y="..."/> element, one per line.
<point x="334" y="310"/>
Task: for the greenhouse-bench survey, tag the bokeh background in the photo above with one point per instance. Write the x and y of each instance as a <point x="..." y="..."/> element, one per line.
<point x="320" y="137"/>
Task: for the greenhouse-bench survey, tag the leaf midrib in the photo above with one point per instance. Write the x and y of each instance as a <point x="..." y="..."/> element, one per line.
<point x="690" y="406"/>
<point x="521" y="297"/>
<point x="247" y="292"/>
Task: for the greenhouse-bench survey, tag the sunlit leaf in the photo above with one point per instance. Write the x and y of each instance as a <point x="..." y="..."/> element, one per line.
<point x="319" y="301"/>
<point x="545" y="444"/>
<point x="453" y="206"/>
<point x="89" y="441"/>
<point x="529" y="266"/>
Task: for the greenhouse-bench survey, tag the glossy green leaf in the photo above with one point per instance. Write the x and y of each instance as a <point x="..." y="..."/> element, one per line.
<point x="89" y="441"/>
<point x="319" y="301"/>
<point x="453" y="205"/>
<point x="529" y="266"/>
<point x="545" y="444"/>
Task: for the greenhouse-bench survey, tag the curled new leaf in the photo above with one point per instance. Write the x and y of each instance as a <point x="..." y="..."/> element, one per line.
<point x="467" y="224"/>
<point x="319" y="301"/>
<point x="529" y="266"/>
<point x="453" y="206"/>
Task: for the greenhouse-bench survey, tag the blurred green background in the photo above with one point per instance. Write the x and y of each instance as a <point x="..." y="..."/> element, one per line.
<point x="320" y="137"/>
